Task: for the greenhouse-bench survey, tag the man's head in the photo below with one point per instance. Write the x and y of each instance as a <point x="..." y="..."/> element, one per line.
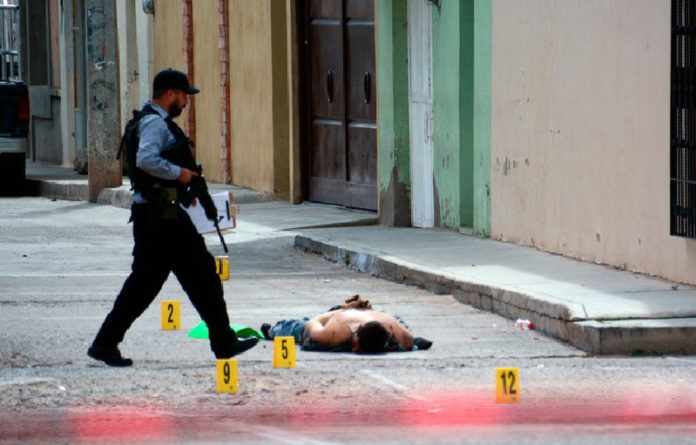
<point x="371" y="337"/>
<point x="170" y="90"/>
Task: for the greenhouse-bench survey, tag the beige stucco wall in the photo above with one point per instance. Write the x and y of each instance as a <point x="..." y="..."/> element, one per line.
<point x="207" y="79"/>
<point x="580" y="132"/>
<point x="258" y="80"/>
<point x="168" y="40"/>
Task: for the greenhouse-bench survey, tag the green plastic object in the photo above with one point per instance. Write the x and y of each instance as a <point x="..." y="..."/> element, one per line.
<point x="201" y="331"/>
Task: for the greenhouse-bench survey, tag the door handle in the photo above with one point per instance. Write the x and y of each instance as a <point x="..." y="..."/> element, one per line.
<point x="367" y="87"/>
<point x="329" y="86"/>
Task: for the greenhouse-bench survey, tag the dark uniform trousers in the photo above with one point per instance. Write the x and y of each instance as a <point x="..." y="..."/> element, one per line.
<point x="161" y="246"/>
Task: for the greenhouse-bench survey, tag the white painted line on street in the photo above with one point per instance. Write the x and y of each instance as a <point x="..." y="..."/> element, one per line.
<point x="391" y="383"/>
<point x="679" y="359"/>
<point x="284" y="436"/>
<point x="26" y="381"/>
<point x="51" y="318"/>
<point x="25" y="274"/>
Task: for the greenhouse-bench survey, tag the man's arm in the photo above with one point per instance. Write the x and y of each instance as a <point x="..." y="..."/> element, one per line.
<point x="154" y="136"/>
<point x="401" y="335"/>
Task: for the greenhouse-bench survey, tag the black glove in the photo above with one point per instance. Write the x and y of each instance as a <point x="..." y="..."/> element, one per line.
<point x="421" y="344"/>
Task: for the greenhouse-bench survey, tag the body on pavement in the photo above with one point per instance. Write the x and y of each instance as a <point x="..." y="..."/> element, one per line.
<point x="353" y="326"/>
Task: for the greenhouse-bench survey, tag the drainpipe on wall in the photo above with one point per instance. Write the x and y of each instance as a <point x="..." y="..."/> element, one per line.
<point x="224" y="62"/>
<point x="188" y="69"/>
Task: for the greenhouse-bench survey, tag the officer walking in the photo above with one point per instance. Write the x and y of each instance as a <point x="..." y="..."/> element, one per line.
<point x="165" y="238"/>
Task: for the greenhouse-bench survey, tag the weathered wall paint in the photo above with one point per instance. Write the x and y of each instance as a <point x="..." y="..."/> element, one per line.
<point x="461" y="110"/>
<point x="168" y="41"/>
<point x="205" y="60"/>
<point x="281" y="96"/>
<point x="461" y="66"/>
<point x="392" y="113"/>
<point x="453" y="80"/>
<point x="580" y="130"/>
<point x="447" y="108"/>
<point x="258" y="95"/>
<point x="483" y="34"/>
<point x="103" y="104"/>
<point x="294" y="99"/>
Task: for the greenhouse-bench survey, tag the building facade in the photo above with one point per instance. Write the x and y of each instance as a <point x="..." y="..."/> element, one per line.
<point x="553" y="124"/>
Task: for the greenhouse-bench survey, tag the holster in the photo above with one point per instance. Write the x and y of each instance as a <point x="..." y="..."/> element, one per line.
<point x="164" y="202"/>
<point x="169" y="203"/>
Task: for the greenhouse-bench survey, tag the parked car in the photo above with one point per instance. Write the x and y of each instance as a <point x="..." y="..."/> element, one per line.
<point x="14" y="129"/>
<point x="14" y="103"/>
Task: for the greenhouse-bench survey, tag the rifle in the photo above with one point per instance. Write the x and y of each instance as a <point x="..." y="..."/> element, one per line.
<point x="180" y="154"/>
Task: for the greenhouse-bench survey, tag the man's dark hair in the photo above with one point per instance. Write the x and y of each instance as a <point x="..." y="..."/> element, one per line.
<point x="372" y="337"/>
<point x="158" y="93"/>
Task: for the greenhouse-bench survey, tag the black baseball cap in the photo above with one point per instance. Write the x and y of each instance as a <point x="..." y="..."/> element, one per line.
<point x="171" y="79"/>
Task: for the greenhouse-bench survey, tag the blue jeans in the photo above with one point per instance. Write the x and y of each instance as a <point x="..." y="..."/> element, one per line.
<point x="291" y="328"/>
<point x="296" y="328"/>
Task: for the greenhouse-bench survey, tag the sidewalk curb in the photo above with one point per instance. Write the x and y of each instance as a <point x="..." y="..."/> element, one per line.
<point x="625" y="337"/>
<point x="78" y="190"/>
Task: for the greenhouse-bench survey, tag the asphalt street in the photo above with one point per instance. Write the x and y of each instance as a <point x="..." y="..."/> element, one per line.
<point x="62" y="263"/>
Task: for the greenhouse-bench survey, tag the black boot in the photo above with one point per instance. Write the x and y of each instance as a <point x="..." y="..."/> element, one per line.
<point x="266" y="331"/>
<point x="236" y="347"/>
<point x="110" y="356"/>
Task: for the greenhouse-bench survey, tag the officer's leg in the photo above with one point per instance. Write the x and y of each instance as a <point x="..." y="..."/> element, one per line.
<point x="195" y="269"/>
<point x="150" y="269"/>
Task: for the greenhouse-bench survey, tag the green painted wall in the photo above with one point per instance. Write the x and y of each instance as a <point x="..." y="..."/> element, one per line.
<point x="447" y="108"/>
<point x="392" y="113"/>
<point x="483" y="48"/>
<point x="461" y="109"/>
<point x="461" y="113"/>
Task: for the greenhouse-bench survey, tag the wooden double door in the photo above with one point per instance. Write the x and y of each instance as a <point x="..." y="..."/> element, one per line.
<point x="337" y="40"/>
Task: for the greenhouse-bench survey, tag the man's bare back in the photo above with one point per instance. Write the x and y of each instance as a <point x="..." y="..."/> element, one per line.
<point x="337" y="327"/>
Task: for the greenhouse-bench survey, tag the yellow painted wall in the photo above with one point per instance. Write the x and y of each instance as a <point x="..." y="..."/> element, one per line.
<point x="280" y="110"/>
<point x="258" y="95"/>
<point x="168" y="39"/>
<point x="250" y="94"/>
<point x="259" y="84"/>
<point x="207" y="78"/>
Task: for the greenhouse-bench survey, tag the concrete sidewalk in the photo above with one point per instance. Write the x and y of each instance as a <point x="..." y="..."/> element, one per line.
<point x="597" y="308"/>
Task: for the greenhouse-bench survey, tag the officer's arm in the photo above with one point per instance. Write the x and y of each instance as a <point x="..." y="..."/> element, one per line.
<point x="154" y="136"/>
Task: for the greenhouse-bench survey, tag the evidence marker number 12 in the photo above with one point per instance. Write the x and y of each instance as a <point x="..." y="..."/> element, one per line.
<point x="507" y="385"/>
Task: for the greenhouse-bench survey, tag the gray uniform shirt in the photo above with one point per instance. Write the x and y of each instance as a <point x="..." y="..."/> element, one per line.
<point x="154" y="137"/>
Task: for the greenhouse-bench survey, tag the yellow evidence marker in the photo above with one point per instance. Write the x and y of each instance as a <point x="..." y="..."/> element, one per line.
<point x="222" y="265"/>
<point x="171" y="314"/>
<point x="507" y="385"/>
<point x="227" y="376"/>
<point x="284" y="352"/>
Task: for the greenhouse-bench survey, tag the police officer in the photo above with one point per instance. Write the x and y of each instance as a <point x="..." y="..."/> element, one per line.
<point x="165" y="238"/>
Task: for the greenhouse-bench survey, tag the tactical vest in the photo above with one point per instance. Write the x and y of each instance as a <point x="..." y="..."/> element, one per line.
<point x="148" y="186"/>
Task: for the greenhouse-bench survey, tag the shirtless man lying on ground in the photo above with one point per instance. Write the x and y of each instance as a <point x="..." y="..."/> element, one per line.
<point x="353" y="326"/>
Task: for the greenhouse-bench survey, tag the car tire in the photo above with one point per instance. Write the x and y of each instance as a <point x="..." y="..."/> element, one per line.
<point x="13" y="178"/>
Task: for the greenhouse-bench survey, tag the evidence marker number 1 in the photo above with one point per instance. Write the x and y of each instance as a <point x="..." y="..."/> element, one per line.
<point x="222" y="267"/>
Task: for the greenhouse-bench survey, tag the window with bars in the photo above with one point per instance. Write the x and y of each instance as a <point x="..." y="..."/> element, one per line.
<point x="683" y="120"/>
